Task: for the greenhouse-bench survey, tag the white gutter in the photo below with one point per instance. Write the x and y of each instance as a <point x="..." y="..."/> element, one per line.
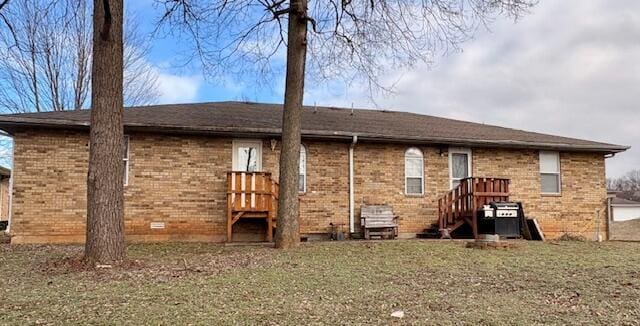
<point x="352" y="226"/>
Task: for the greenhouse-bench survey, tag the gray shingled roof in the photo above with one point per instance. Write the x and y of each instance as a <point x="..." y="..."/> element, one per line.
<point x="242" y="118"/>
<point x="623" y="201"/>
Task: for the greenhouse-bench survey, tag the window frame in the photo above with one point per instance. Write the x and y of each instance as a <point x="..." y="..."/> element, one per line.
<point x="460" y="150"/>
<point x="406" y="177"/>
<point x="300" y="174"/>
<point x="558" y="173"/>
<point x="257" y="143"/>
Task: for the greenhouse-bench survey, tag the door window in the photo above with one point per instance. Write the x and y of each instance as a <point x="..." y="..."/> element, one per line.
<point x="247" y="156"/>
<point x="459" y="165"/>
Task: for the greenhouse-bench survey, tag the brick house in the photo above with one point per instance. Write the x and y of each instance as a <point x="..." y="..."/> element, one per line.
<point x="178" y="159"/>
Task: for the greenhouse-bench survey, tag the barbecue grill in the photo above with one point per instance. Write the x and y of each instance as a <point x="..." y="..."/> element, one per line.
<point x="501" y="218"/>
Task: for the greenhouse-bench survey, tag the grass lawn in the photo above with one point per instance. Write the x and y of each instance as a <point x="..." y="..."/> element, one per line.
<point x="327" y="283"/>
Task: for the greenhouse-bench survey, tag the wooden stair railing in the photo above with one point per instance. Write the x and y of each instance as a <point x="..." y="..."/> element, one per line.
<point x="461" y="204"/>
<point x="251" y="195"/>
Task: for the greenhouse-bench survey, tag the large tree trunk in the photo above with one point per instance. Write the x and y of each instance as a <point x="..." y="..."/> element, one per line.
<point x="287" y="228"/>
<point x="105" y="211"/>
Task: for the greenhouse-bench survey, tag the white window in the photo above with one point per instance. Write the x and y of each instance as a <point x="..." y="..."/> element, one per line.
<point x="459" y="165"/>
<point x="247" y="155"/>
<point x="302" y="179"/>
<point x="550" y="172"/>
<point x="125" y="159"/>
<point x="413" y="172"/>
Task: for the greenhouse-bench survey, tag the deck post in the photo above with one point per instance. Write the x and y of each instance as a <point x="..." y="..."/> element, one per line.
<point x="229" y="222"/>
<point x="440" y="217"/>
<point x="474" y="210"/>
<point x="230" y="194"/>
<point x="270" y="226"/>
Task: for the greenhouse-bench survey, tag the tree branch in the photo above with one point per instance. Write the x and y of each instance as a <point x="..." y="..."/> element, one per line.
<point x="4" y="3"/>
<point x="278" y="13"/>
<point x="314" y="25"/>
<point x="9" y="26"/>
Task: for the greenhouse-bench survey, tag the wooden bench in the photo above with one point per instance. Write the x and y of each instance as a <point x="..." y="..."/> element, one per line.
<point x="378" y="220"/>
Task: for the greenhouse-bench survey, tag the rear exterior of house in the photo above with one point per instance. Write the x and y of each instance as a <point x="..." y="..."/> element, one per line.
<point x="178" y="177"/>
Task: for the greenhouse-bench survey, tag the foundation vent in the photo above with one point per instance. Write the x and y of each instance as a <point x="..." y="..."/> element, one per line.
<point x="157" y="225"/>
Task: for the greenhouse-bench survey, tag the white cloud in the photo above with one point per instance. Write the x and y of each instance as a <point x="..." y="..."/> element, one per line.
<point x="569" y="68"/>
<point x="178" y="89"/>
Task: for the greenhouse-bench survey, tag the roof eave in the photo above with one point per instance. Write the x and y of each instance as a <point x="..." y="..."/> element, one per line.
<point x="11" y="124"/>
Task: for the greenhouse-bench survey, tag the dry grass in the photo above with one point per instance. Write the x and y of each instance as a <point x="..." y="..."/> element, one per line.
<point x="327" y="283"/>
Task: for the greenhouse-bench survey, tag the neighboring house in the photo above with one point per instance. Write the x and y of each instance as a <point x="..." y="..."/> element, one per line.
<point x="624" y="209"/>
<point x="624" y="223"/>
<point x="178" y="158"/>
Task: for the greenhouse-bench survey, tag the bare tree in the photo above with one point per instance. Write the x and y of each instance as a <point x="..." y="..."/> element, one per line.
<point x="3" y="18"/>
<point x="47" y="58"/>
<point x="350" y="40"/>
<point x="105" y="200"/>
<point x="628" y="185"/>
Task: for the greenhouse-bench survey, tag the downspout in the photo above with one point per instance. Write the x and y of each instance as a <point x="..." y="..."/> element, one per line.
<point x="609" y="217"/>
<point x="609" y="201"/>
<point x="11" y="176"/>
<point x="352" y="200"/>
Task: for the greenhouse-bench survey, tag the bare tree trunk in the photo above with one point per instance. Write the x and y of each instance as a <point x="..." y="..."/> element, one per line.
<point x="287" y="228"/>
<point x="105" y="211"/>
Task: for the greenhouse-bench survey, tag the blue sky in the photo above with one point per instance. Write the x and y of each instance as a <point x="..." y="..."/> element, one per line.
<point x="189" y="83"/>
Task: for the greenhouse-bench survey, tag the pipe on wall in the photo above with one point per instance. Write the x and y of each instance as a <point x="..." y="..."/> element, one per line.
<point x="609" y="216"/>
<point x="10" y="208"/>
<point x="352" y="200"/>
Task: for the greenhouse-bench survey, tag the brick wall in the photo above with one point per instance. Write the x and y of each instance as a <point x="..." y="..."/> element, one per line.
<point x="181" y="181"/>
<point x="379" y="179"/>
<point x="49" y="188"/>
<point x="574" y="210"/>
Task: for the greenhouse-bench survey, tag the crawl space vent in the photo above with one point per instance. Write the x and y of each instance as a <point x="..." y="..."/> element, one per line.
<point x="157" y="225"/>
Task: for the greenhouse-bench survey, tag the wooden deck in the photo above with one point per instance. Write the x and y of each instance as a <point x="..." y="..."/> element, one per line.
<point x="461" y="205"/>
<point x="251" y="195"/>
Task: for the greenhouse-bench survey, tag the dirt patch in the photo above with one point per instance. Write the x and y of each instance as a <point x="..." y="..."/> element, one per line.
<point x="572" y="237"/>
<point x="160" y="270"/>
<point x="491" y="245"/>
<point x="75" y="264"/>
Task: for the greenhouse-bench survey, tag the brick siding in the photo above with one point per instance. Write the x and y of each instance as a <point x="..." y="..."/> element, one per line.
<point x="181" y="181"/>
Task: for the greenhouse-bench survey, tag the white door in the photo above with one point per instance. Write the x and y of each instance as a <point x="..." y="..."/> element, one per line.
<point x="459" y="165"/>
<point x="247" y="155"/>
